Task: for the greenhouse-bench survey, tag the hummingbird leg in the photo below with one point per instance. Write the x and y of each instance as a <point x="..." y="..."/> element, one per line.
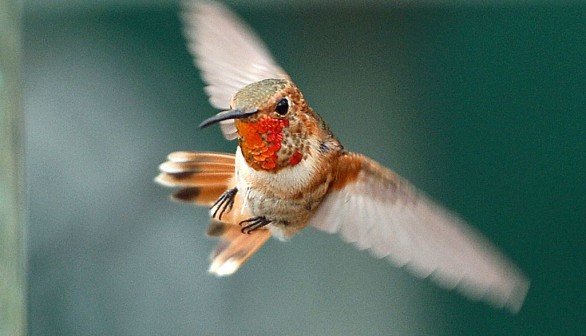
<point x="253" y="224"/>
<point x="224" y="202"/>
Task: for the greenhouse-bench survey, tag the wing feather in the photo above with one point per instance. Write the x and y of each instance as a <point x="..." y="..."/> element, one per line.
<point x="349" y="231"/>
<point x="380" y="211"/>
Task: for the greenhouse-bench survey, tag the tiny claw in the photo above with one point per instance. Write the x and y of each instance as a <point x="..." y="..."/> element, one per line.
<point x="225" y="202"/>
<point x="253" y="223"/>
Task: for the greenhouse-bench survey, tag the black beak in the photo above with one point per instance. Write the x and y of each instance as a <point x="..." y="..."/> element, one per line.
<point x="225" y="115"/>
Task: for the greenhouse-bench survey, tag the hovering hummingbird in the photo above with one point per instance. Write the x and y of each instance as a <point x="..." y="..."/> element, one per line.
<point x="290" y="172"/>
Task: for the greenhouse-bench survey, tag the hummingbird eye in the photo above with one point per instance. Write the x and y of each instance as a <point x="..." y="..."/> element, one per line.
<point x="282" y="106"/>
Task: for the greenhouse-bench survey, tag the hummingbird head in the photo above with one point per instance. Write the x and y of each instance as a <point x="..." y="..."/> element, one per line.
<point x="275" y="126"/>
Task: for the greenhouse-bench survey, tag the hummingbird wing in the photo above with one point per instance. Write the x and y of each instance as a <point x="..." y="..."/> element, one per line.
<point x="228" y="53"/>
<point x="203" y="177"/>
<point x="376" y="209"/>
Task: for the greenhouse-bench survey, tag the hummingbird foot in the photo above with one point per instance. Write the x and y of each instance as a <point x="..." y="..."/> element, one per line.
<point x="224" y="203"/>
<point x="253" y="223"/>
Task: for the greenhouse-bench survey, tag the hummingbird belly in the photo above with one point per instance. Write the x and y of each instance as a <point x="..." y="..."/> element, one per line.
<point x="287" y="199"/>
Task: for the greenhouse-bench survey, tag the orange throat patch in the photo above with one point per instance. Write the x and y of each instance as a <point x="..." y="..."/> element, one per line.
<point x="260" y="141"/>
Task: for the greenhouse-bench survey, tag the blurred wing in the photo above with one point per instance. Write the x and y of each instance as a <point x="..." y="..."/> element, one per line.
<point x="380" y="211"/>
<point x="228" y="53"/>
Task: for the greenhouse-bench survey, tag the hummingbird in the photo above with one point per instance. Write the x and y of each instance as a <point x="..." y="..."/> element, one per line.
<point x="290" y="172"/>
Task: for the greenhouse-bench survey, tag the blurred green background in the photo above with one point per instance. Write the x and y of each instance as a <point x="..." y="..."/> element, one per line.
<point x="12" y="200"/>
<point x="482" y="106"/>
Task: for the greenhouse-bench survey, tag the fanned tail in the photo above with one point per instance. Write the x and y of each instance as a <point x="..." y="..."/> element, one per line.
<point x="202" y="178"/>
<point x="234" y="247"/>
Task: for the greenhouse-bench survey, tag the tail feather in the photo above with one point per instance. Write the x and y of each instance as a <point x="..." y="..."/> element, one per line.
<point x="201" y="156"/>
<point x="198" y="195"/>
<point x="197" y="179"/>
<point x="203" y="177"/>
<point x="234" y="247"/>
<point x="196" y="166"/>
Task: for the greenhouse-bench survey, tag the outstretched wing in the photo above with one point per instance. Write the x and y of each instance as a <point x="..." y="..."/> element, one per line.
<point x="379" y="211"/>
<point x="228" y="53"/>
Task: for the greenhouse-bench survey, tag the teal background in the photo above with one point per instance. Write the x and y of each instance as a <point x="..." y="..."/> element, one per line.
<point x="12" y="203"/>
<point x="481" y="106"/>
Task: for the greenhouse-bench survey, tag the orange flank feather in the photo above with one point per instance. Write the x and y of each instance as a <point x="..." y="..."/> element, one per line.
<point x="203" y="178"/>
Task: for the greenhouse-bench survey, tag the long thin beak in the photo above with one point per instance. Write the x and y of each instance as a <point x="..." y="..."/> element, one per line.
<point x="225" y="115"/>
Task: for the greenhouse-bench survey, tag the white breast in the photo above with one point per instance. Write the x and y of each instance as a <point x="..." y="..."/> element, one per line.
<point x="288" y="180"/>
